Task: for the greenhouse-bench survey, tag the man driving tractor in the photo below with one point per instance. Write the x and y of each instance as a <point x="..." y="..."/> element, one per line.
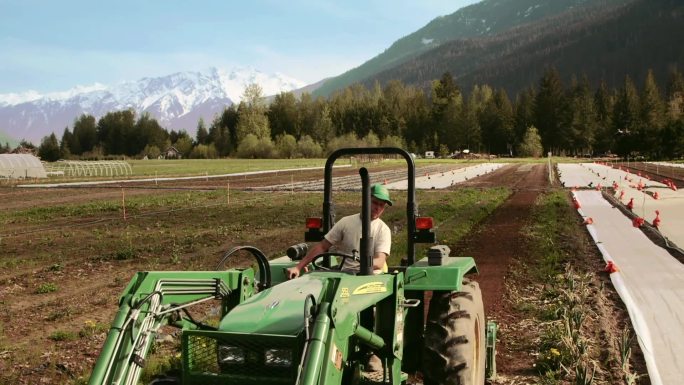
<point x="345" y="237"/>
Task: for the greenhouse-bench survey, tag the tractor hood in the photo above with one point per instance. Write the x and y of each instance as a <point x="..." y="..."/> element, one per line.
<point x="277" y="310"/>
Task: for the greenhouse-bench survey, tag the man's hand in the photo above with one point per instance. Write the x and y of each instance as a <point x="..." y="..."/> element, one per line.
<point x="292" y="272"/>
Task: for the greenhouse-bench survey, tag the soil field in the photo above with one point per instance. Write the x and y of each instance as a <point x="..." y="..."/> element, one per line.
<point x="66" y="255"/>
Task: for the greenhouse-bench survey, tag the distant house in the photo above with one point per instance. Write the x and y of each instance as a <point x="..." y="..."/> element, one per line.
<point x="172" y="153"/>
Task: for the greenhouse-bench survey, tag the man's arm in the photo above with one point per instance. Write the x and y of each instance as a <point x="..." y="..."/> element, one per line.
<point x="379" y="261"/>
<point x="319" y="248"/>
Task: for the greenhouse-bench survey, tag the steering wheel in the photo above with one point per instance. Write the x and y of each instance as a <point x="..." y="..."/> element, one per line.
<point x="344" y="257"/>
<point x="262" y="261"/>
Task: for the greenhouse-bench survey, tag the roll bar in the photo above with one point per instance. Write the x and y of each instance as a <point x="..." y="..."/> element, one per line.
<point x="411" y="206"/>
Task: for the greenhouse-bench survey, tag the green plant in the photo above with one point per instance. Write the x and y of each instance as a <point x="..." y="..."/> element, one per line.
<point x="91" y="328"/>
<point x="582" y="375"/>
<point x="625" y="347"/>
<point x="55" y="267"/>
<point x="125" y="253"/>
<point x="62" y="312"/>
<point x="62" y="335"/>
<point x="160" y="363"/>
<point x="82" y="380"/>
<point x="47" y="287"/>
<point x="176" y="254"/>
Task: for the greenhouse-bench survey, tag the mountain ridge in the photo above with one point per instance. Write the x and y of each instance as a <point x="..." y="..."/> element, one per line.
<point x="177" y="100"/>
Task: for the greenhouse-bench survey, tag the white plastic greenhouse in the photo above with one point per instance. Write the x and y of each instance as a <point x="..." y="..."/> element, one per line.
<point x="18" y="166"/>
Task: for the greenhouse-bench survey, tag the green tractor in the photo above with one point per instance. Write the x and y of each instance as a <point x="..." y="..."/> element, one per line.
<point x="319" y="328"/>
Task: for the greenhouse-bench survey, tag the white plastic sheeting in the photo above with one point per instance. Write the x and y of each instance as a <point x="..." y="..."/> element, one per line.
<point x="650" y="282"/>
<point x="670" y="203"/>
<point x="448" y="178"/>
<point x="17" y="166"/>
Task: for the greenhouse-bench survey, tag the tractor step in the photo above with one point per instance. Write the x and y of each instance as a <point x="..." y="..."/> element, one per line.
<point x="372" y="378"/>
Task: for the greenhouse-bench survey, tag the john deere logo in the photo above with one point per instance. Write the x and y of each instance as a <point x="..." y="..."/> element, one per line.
<point x="370" y="288"/>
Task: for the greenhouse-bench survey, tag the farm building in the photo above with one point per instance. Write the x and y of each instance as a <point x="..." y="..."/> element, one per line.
<point x="16" y="166"/>
<point x="172" y="153"/>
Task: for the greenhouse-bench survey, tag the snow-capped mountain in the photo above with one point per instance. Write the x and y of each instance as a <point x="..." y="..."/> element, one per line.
<point x="177" y="101"/>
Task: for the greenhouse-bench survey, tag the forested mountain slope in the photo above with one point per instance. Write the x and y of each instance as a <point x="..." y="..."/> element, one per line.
<point x="482" y="20"/>
<point x="604" y="44"/>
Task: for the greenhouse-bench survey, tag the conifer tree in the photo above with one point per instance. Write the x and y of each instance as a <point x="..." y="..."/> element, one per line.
<point x="282" y="114"/>
<point x="626" y="118"/>
<point x="549" y="105"/>
<point x="652" y="116"/>
<point x="497" y="124"/>
<point x="49" y="149"/>
<point x="446" y="105"/>
<point x="675" y="95"/>
<point x="524" y="113"/>
<point x="85" y="134"/>
<point x="603" y="104"/>
<point x="202" y="135"/>
<point x="579" y="127"/>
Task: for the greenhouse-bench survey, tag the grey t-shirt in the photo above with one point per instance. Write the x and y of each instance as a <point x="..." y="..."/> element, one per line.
<point x="345" y="236"/>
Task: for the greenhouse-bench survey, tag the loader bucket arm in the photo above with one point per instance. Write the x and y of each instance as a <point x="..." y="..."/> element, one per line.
<point x="147" y="303"/>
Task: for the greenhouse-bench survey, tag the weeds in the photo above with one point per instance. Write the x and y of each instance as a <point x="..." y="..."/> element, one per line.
<point x="62" y="335"/>
<point x="564" y="348"/>
<point x="61" y="313"/>
<point x="625" y="347"/>
<point x="91" y="328"/>
<point x="125" y="253"/>
<point x="582" y="375"/>
<point x="55" y="267"/>
<point x="45" y="288"/>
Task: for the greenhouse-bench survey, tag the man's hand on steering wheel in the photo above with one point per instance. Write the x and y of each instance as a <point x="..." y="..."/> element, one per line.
<point x="292" y="272"/>
<point x="344" y="256"/>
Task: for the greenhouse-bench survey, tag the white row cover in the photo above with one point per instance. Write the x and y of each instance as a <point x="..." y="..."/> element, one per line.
<point x="650" y="282"/>
<point x="448" y="178"/>
<point x="649" y="198"/>
<point x="18" y="166"/>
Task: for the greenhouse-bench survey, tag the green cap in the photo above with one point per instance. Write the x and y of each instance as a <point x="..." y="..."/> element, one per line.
<point x="381" y="192"/>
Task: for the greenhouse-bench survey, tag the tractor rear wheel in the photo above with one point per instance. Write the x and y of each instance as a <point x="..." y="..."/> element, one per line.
<point x="454" y="350"/>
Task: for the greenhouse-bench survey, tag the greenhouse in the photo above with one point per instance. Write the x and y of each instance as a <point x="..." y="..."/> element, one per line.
<point x="90" y="168"/>
<point x="19" y="166"/>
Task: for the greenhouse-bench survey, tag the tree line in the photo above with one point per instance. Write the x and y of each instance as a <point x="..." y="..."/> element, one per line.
<point x="572" y="119"/>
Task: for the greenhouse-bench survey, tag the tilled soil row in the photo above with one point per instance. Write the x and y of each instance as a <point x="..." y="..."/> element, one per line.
<point x="499" y="247"/>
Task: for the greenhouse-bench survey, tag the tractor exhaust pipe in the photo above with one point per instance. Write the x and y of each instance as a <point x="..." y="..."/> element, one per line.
<point x="366" y="240"/>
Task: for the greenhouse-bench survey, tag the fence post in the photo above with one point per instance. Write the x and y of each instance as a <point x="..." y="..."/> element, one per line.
<point x="123" y="202"/>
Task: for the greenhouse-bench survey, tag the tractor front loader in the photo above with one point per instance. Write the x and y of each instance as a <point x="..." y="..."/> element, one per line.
<point x="320" y="328"/>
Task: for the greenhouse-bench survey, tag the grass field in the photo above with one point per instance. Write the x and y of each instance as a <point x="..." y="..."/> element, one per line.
<point x="188" y="167"/>
<point x="200" y="167"/>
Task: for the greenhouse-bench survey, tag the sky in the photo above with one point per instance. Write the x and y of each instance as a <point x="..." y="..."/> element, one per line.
<point x="50" y="46"/>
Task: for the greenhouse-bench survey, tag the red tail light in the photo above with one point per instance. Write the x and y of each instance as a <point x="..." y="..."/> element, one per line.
<point x="314" y="223"/>
<point x="424" y="223"/>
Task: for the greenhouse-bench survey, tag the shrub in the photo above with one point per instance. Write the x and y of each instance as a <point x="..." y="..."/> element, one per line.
<point x="204" y="151"/>
<point x="308" y="148"/>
